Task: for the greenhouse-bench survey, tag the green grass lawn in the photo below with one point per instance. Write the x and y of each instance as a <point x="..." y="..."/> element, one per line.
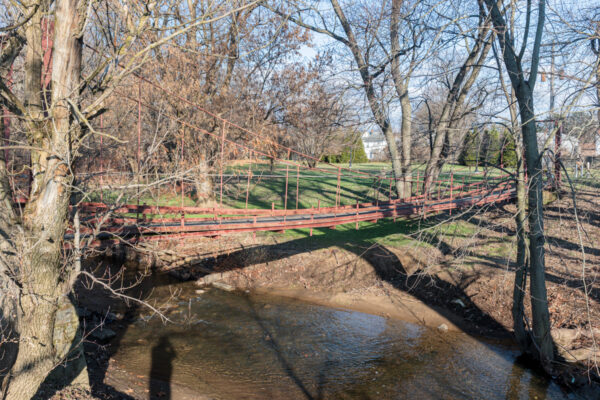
<point x="314" y="187"/>
<point x="267" y="189"/>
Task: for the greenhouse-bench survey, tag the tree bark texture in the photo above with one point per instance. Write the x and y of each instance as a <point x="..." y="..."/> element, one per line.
<point x="401" y="84"/>
<point x="44" y="277"/>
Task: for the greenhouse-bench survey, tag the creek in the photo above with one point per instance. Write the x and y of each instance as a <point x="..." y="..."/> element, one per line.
<point x="247" y="346"/>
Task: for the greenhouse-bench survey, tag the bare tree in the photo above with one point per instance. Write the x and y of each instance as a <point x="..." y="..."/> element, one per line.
<point x="452" y="110"/>
<point x="595" y="45"/>
<point x="524" y="93"/>
<point x="56" y="119"/>
<point x="363" y="51"/>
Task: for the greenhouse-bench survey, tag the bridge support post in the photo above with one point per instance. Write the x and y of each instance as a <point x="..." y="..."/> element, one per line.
<point x="451" y="189"/>
<point x="222" y="162"/>
<point x="139" y="140"/>
<point x="297" y="184"/>
<point x="287" y="174"/>
<point x="248" y="185"/>
<point x="337" y="195"/>
<point x="182" y="166"/>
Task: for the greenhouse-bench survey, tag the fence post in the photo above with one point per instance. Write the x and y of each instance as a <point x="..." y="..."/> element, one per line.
<point x="182" y="166"/>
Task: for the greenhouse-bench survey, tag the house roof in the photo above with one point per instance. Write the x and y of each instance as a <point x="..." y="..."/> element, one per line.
<point x="372" y="137"/>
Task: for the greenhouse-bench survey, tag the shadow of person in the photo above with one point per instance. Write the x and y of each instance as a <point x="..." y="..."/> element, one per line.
<point x="161" y="370"/>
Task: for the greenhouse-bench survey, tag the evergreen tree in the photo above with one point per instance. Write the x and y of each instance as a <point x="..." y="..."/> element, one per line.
<point x="355" y="152"/>
<point x="468" y="154"/>
<point x="509" y="154"/>
<point x="493" y="147"/>
<point x="359" y="156"/>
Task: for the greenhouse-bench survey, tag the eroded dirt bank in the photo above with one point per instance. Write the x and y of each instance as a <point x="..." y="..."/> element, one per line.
<point x="454" y="277"/>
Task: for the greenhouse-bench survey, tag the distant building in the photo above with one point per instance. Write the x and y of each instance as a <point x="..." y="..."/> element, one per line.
<point x="569" y="145"/>
<point x="590" y="149"/>
<point x="375" y="144"/>
<point x="583" y="147"/>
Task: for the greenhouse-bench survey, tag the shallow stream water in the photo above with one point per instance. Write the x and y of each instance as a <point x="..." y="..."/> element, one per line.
<point x="246" y="346"/>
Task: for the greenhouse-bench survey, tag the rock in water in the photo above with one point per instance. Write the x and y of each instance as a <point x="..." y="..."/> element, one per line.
<point x="223" y="286"/>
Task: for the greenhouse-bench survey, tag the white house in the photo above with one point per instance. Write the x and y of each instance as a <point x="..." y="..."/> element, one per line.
<point x="569" y="145"/>
<point x="374" y="143"/>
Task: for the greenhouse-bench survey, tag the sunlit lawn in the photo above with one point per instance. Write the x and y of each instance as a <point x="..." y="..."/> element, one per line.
<point x="305" y="188"/>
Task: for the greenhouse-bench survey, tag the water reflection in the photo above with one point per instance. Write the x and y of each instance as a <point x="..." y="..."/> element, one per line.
<point x="255" y="347"/>
<point x="525" y="386"/>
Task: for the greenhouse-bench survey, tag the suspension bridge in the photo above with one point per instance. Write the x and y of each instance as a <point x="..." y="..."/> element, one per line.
<point x="242" y="190"/>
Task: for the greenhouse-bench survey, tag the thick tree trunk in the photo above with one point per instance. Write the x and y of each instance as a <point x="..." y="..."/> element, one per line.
<point x="45" y="278"/>
<point x="406" y="138"/>
<point x="203" y="184"/>
<point x="401" y="84"/>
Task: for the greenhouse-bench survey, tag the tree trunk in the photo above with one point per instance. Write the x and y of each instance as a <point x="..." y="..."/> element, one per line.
<point x="524" y="91"/>
<point x="539" y="298"/>
<point x="464" y="80"/>
<point x="518" y="309"/>
<point x="379" y="114"/>
<point x="406" y="135"/>
<point x="595" y="44"/>
<point x="44" y="277"/>
<point x="203" y="184"/>
<point x="401" y="85"/>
